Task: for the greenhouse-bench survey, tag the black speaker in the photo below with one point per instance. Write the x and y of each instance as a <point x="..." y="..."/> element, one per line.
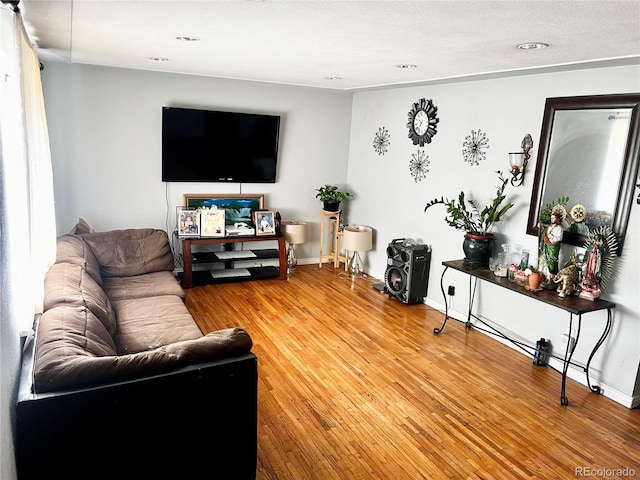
<point x="407" y="274"/>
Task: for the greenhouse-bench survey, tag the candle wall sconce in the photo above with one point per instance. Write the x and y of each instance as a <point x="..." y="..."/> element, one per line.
<point x="518" y="161"/>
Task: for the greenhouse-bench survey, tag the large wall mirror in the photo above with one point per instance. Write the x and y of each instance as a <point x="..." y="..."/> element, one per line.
<point x="589" y="149"/>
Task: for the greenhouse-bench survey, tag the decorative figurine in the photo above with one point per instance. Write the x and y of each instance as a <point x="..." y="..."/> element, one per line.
<point x="278" y="223"/>
<point x="568" y="277"/>
<point x="591" y="274"/>
<point x="549" y="241"/>
<point x="597" y="268"/>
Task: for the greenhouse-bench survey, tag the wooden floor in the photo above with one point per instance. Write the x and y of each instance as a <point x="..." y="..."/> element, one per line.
<point x="355" y="385"/>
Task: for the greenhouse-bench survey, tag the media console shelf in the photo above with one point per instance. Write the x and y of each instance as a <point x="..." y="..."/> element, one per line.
<point x="572" y="305"/>
<point x="229" y="256"/>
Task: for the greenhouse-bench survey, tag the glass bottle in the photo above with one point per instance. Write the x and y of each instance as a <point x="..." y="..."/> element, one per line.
<point x="504" y="258"/>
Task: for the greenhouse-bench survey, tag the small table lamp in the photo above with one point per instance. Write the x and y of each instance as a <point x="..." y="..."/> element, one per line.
<point x="356" y="238"/>
<point x="295" y="233"/>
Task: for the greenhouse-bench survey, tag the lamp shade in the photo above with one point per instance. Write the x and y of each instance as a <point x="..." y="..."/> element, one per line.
<point x="516" y="160"/>
<point x="295" y="232"/>
<point x="357" y="238"/>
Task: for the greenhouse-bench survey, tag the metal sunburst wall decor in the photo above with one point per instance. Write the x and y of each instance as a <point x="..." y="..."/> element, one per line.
<point x="381" y="141"/>
<point x="419" y="165"/>
<point x="474" y="147"/>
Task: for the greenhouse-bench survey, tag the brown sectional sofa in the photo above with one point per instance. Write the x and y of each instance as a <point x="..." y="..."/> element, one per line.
<point x="119" y="381"/>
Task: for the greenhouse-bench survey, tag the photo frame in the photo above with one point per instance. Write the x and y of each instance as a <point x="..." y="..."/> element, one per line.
<point x="212" y="222"/>
<point x="264" y="222"/>
<point x="238" y="208"/>
<point x="187" y="222"/>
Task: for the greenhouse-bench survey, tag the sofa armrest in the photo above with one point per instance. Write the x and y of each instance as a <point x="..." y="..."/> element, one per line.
<point x="184" y="424"/>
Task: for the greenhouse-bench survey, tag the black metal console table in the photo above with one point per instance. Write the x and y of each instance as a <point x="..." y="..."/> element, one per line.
<point x="574" y="305"/>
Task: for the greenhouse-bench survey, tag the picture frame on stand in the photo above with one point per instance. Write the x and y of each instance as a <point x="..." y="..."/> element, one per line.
<point x="187" y="222"/>
<point x="264" y="222"/>
<point x="212" y="222"/>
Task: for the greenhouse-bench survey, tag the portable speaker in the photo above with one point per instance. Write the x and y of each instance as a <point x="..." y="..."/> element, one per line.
<point x="407" y="274"/>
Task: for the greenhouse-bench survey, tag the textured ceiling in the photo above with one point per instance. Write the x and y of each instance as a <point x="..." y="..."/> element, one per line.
<point x="362" y="42"/>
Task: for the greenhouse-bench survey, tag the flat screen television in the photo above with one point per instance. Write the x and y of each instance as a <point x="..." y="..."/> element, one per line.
<point x="216" y="146"/>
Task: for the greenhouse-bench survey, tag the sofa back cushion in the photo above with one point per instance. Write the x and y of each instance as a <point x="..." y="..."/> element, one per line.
<point x="81" y="227"/>
<point x="73" y="249"/>
<point x="67" y="284"/>
<point x="142" y="286"/>
<point x="125" y="253"/>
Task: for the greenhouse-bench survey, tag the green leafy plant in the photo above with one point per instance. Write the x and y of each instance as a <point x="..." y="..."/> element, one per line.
<point x="330" y="193"/>
<point x="467" y="215"/>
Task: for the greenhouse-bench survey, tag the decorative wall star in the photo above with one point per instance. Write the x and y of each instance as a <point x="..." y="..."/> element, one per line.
<point x="419" y="165"/>
<point x="474" y="146"/>
<point x="381" y="141"/>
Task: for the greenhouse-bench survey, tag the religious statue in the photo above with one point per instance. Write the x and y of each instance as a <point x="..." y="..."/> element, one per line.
<point x="598" y="262"/>
<point x="549" y="242"/>
<point x="278" y="223"/>
<point x="592" y="269"/>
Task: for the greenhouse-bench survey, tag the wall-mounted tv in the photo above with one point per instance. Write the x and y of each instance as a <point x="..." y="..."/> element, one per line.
<point x="216" y="146"/>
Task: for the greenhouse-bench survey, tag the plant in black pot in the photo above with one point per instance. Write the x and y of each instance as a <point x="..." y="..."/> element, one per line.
<point x="331" y="197"/>
<point x="467" y="215"/>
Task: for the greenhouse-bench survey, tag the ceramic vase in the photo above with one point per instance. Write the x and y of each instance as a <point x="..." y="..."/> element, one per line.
<point x="534" y="281"/>
<point x="478" y="249"/>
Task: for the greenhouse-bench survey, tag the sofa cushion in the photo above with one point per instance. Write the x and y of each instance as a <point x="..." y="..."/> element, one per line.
<point x="64" y="332"/>
<point x="73" y="249"/>
<point x="148" y="323"/>
<point x="67" y="284"/>
<point x="57" y="368"/>
<point x="141" y="286"/>
<point x="126" y="253"/>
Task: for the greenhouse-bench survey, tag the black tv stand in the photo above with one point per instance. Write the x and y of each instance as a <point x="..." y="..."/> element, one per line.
<point x="191" y="278"/>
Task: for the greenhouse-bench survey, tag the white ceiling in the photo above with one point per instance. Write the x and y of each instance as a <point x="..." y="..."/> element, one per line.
<point x="306" y="42"/>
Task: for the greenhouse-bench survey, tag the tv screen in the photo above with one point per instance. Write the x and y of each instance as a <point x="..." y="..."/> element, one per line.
<point x="214" y="146"/>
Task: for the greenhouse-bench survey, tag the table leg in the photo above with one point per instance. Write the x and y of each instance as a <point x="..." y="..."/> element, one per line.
<point x="321" y="240"/>
<point x="282" y="257"/>
<point x="607" y="329"/>
<point x="567" y="359"/>
<point x="472" y="296"/>
<point x="336" y="243"/>
<point x="437" y="330"/>
<point x="187" y="273"/>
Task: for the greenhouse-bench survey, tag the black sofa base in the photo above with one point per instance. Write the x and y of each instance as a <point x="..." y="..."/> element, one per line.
<point x="196" y="422"/>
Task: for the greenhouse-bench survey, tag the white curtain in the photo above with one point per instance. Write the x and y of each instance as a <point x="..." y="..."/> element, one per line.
<point x="27" y="226"/>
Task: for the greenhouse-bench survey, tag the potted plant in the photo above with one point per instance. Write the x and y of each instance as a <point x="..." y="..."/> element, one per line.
<point x="332" y="197"/>
<point x="467" y="215"/>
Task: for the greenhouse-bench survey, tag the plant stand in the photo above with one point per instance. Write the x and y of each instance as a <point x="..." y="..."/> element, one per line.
<point x="335" y="236"/>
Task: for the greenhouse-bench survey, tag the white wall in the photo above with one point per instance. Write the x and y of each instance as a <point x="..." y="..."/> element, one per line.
<point x="105" y="129"/>
<point x="506" y="109"/>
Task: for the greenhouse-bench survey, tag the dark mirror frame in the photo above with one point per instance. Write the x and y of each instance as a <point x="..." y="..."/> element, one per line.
<point x="628" y="176"/>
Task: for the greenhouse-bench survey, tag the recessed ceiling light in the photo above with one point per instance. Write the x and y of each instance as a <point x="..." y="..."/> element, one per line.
<point x="532" y="46"/>
<point x="187" y="39"/>
<point x="158" y="59"/>
<point x="406" y="65"/>
<point x="334" y="78"/>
